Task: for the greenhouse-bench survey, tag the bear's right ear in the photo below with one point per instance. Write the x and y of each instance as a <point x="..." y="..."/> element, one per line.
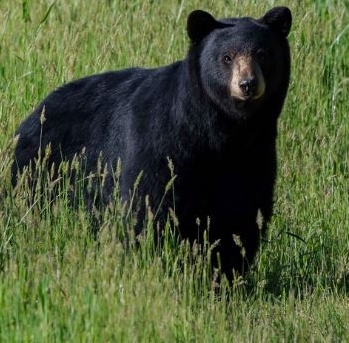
<point x="199" y="25"/>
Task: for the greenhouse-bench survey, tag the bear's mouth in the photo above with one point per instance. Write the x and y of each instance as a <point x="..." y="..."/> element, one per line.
<point x="247" y="98"/>
<point x="247" y="101"/>
<point x="247" y="93"/>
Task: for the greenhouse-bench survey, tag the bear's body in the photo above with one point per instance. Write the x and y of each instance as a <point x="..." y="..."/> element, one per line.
<point x="214" y="114"/>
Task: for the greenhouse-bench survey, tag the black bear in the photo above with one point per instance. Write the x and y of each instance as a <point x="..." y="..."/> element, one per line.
<point x="214" y="115"/>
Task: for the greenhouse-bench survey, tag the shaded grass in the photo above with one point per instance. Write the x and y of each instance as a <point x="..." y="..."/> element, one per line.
<point x="59" y="284"/>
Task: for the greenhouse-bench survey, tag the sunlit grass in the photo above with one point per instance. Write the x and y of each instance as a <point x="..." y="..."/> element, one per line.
<point x="58" y="283"/>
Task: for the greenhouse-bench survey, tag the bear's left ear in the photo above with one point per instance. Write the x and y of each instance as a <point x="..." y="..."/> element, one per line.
<point x="200" y="24"/>
<point x="279" y="19"/>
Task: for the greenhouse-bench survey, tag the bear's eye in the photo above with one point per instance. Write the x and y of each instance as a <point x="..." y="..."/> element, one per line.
<point x="227" y="59"/>
<point x="262" y="56"/>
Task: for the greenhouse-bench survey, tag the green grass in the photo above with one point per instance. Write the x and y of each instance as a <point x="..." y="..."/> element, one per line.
<point x="58" y="284"/>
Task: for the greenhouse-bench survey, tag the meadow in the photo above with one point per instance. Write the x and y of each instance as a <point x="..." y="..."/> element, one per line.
<point x="59" y="284"/>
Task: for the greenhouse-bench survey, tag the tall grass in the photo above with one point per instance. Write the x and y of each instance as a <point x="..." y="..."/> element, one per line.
<point x="57" y="283"/>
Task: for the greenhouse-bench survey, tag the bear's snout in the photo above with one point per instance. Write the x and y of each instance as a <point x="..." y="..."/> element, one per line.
<point x="247" y="80"/>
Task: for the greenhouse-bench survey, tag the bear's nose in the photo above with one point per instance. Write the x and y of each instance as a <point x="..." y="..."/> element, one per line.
<point x="248" y="86"/>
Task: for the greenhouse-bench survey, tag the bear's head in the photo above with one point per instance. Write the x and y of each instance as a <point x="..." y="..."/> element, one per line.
<point x="242" y="61"/>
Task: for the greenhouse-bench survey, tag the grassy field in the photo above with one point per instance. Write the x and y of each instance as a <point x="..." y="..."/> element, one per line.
<point x="59" y="284"/>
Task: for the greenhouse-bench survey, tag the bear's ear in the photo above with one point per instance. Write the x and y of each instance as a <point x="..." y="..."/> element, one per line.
<point x="279" y="19"/>
<point x="199" y="25"/>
